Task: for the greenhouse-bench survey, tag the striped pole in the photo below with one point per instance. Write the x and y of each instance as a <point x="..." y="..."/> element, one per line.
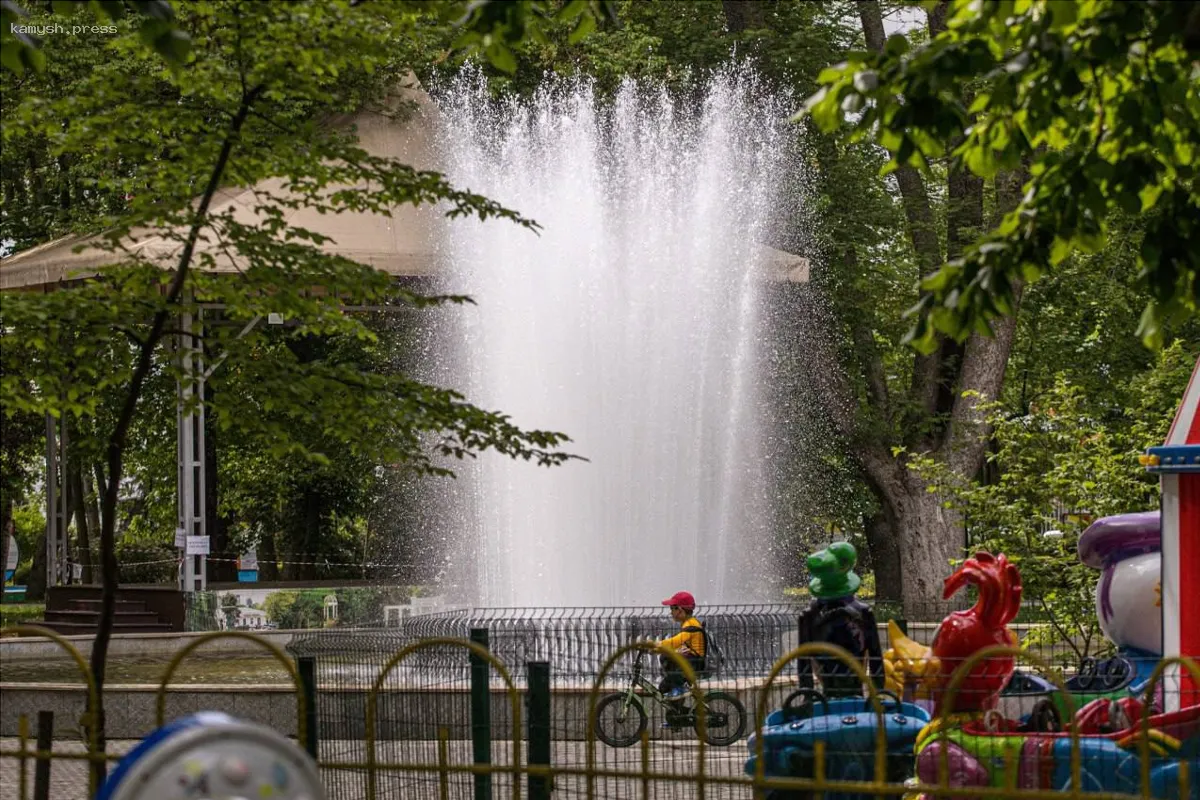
<point x="1178" y="462"/>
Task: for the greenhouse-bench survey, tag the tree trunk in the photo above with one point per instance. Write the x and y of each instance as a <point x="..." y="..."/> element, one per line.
<point x="937" y="18"/>
<point x="927" y="371"/>
<point x="311" y="536"/>
<point x="268" y="559"/>
<point x="743" y="15"/>
<point x="885" y="557"/>
<point x="985" y="360"/>
<point x="222" y="567"/>
<point x="35" y="587"/>
<point x="303" y="537"/>
<point x="929" y="539"/>
<point x="92" y="490"/>
<point x="6" y="531"/>
<point x="83" y="542"/>
<point x="98" y="477"/>
<point x="922" y="228"/>
<point x="115" y="452"/>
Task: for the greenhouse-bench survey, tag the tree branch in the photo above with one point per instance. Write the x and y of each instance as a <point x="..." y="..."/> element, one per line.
<point x="877" y="390"/>
<point x="922" y="232"/>
<point x="743" y="15"/>
<point x="117" y="440"/>
<point x="985" y="360"/>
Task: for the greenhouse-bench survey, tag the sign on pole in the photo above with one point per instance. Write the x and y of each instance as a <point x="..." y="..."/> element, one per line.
<point x="14" y="558"/>
<point x="247" y="566"/>
<point x="197" y="545"/>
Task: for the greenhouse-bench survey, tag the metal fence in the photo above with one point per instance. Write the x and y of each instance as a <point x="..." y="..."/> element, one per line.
<point x="412" y="713"/>
<point x="430" y="690"/>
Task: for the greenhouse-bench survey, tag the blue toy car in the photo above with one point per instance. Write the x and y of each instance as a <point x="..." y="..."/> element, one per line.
<point x="848" y="727"/>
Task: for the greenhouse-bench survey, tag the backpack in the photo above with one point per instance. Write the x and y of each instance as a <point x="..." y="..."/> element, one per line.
<point x="714" y="656"/>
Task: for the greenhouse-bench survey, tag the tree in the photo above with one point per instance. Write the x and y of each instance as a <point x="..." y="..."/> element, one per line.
<point x="884" y="403"/>
<point x="1058" y="456"/>
<point x="1064" y="91"/>
<point x="247" y="104"/>
<point x="20" y="436"/>
<point x="278" y="607"/>
<point x="229" y="609"/>
<point x="927" y="403"/>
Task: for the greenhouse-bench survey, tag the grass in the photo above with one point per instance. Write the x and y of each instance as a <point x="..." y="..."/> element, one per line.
<point x="21" y="613"/>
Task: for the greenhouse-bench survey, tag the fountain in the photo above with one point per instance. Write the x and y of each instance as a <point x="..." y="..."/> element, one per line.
<point x="632" y="321"/>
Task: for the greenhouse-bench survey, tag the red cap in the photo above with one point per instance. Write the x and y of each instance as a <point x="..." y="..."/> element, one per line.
<point x="683" y="599"/>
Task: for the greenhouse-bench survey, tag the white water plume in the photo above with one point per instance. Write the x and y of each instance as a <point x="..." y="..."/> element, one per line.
<point x="631" y="322"/>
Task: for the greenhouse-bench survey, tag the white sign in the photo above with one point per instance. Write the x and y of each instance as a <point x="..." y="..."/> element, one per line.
<point x="197" y="545"/>
<point x="248" y="561"/>
<point x="10" y="564"/>
<point x="181" y="537"/>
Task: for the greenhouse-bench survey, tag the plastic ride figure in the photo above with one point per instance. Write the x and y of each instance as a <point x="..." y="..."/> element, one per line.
<point x="837" y="715"/>
<point x="837" y="617"/>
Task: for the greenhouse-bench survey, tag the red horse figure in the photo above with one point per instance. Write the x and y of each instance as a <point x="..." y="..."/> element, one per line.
<point x="983" y="625"/>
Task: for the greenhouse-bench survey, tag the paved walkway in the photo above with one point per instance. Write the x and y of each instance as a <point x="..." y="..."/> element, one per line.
<point x="675" y="757"/>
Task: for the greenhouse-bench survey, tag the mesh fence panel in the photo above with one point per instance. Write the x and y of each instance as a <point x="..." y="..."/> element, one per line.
<point x="429" y="691"/>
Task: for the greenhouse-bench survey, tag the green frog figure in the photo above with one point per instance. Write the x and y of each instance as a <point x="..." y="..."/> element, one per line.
<point x="837" y="617"/>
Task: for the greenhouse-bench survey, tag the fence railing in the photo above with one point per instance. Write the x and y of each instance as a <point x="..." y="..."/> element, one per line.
<point x="413" y="728"/>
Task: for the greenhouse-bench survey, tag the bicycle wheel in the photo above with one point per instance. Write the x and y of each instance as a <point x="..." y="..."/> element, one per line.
<point x="619" y="720"/>
<point x="726" y="719"/>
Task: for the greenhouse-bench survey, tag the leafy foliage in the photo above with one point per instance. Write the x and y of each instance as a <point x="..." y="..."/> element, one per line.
<point x="21" y="614"/>
<point x="157" y="28"/>
<point x="251" y="103"/>
<point x="493" y="27"/>
<point x="1059" y="467"/>
<point x="1065" y="87"/>
<point x="247" y="63"/>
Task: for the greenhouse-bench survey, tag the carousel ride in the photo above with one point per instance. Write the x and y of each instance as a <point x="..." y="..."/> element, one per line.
<point x="993" y="725"/>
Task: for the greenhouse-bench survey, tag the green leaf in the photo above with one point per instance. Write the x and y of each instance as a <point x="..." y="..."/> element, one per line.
<point x="585" y="27"/>
<point x="1060" y="250"/>
<point x="896" y="46"/>
<point x="502" y="58"/>
<point x="166" y="39"/>
<point x="1150" y="326"/>
<point x="572" y="9"/>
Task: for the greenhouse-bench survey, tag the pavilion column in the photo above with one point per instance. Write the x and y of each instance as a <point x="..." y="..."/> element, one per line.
<point x="190" y="486"/>
<point x="58" y="515"/>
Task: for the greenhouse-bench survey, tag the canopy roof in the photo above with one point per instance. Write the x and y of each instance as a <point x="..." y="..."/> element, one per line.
<point x="402" y="244"/>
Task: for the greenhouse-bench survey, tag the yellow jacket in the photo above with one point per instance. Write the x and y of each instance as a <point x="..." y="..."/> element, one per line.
<point x="689" y="642"/>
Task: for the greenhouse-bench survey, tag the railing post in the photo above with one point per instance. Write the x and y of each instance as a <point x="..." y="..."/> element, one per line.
<point x="307" y="668"/>
<point x="539" y="727"/>
<point x="481" y="715"/>
<point x="41" y="764"/>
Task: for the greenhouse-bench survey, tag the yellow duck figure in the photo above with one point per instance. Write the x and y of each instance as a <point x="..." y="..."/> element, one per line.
<point x="908" y="666"/>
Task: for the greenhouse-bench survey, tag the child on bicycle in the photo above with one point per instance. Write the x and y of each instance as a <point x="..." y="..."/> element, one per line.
<point x="689" y="643"/>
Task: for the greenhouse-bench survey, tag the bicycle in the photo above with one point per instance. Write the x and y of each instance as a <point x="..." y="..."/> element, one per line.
<point x="621" y="716"/>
